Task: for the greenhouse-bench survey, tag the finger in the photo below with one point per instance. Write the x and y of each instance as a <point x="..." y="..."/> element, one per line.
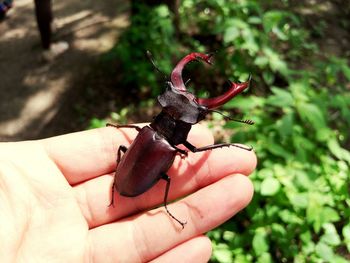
<point x="195" y="172"/>
<point x="197" y="249"/>
<point x="152" y="233"/>
<point x="84" y="155"/>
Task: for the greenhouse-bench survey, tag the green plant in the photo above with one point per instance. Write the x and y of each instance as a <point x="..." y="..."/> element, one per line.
<point x="300" y="211"/>
<point x="151" y="29"/>
<point x="300" y="102"/>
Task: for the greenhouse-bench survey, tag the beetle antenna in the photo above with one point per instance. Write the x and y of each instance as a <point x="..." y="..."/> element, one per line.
<point x="150" y="57"/>
<point x="249" y="122"/>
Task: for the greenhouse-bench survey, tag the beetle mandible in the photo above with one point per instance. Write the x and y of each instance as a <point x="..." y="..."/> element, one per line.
<point x="153" y="151"/>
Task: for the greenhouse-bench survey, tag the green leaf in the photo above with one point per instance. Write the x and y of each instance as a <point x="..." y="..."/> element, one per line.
<point x="271" y="19"/>
<point x="346" y="231"/>
<point x="261" y="61"/>
<point x="319" y="214"/>
<point x="304" y="147"/>
<point x="342" y="102"/>
<point x="233" y="29"/>
<point x="281" y="98"/>
<point x="278" y="150"/>
<point x="231" y="33"/>
<point x="339" y="152"/>
<point x="250" y="43"/>
<point x="279" y="33"/>
<point x="339" y="259"/>
<point x="265" y="258"/>
<point x="276" y="63"/>
<point x="299" y="90"/>
<point x="299" y="200"/>
<point x="97" y="123"/>
<point x="228" y="235"/>
<point x="329" y="214"/>
<point x="310" y="113"/>
<point x="324" y="251"/>
<point x="223" y="254"/>
<point x="254" y="20"/>
<point x="242" y="259"/>
<point x="330" y="236"/>
<point x="260" y="244"/>
<point x="245" y="103"/>
<point x="308" y="245"/>
<point x="346" y="70"/>
<point x="270" y="186"/>
<point x="346" y="235"/>
<point x="268" y="77"/>
<point x="300" y="258"/>
<point x="163" y="11"/>
<point x="285" y="125"/>
<point x="303" y="179"/>
<point x="278" y="230"/>
<point x="290" y="217"/>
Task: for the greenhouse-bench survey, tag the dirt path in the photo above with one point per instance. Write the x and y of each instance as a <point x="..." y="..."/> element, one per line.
<point x="39" y="99"/>
<point x="31" y="91"/>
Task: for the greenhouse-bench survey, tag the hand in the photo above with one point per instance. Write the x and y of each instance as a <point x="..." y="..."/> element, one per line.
<point x="54" y="197"/>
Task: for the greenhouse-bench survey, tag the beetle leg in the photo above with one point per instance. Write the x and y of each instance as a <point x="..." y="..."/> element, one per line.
<point x="194" y="149"/>
<point x="167" y="187"/>
<point x="183" y="153"/>
<point x="124" y="126"/>
<point x="123" y="149"/>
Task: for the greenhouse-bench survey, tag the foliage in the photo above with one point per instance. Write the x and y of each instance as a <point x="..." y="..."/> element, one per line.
<point x="300" y="102"/>
<point x="150" y="30"/>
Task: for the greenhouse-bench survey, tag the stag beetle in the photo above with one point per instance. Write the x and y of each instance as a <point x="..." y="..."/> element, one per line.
<point x="151" y="154"/>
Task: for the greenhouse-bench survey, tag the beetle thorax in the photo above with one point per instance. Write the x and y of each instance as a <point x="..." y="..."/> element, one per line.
<point x="174" y="131"/>
<point x="181" y="105"/>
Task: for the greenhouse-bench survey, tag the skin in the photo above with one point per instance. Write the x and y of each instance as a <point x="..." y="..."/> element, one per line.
<point x="54" y="197"/>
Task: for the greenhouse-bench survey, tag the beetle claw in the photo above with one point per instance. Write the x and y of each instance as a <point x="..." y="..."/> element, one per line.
<point x="176" y="74"/>
<point x="182" y="224"/>
<point x="184" y="155"/>
<point x="111" y="204"/>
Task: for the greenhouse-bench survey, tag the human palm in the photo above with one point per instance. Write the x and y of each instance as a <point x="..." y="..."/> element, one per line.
<point x="54" y="197"/>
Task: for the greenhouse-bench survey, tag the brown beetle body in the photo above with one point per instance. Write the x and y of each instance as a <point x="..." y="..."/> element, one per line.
<point x="134" y="172"/>
<point x="152" y="153"/>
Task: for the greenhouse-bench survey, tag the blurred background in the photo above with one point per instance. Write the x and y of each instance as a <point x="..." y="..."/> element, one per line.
<point x="298" y="55"/>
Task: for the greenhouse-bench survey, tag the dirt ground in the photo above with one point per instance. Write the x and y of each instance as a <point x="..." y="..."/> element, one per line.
<point x="39" y="99"/>
<point x="33" y="93"/>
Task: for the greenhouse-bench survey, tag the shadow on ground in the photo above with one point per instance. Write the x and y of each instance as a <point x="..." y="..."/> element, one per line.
<point x="39" y="99"/>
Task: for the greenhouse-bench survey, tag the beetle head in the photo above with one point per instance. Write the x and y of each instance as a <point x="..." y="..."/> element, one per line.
<point x="182" y="105"/>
